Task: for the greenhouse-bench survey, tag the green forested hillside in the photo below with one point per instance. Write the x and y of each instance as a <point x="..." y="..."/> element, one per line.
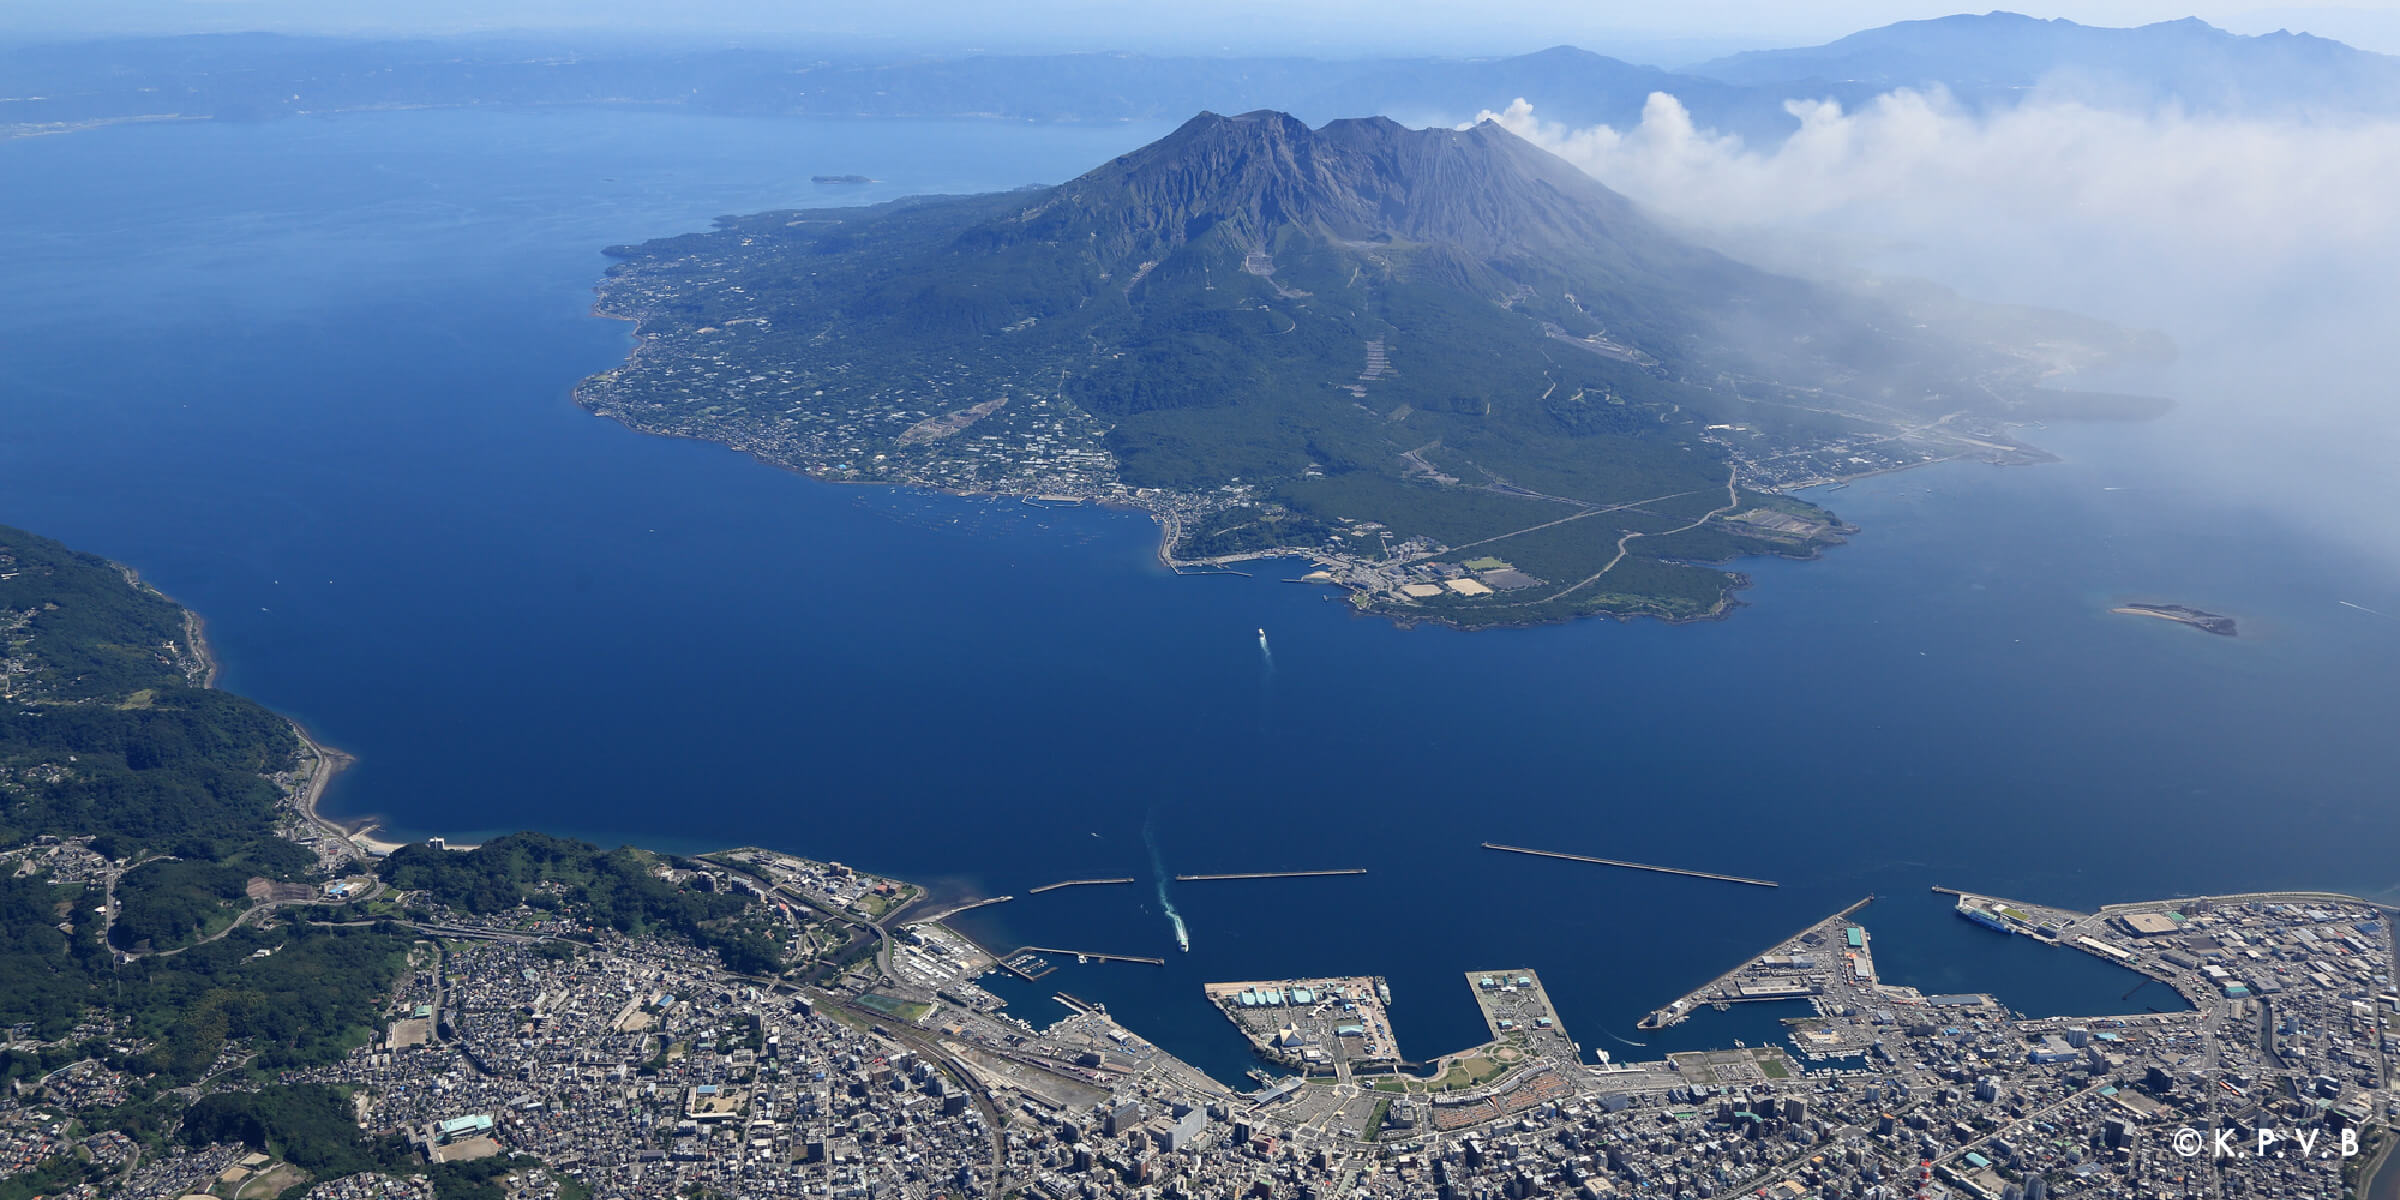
<point x="615" y="889"/>
<point x="122" y="777"/>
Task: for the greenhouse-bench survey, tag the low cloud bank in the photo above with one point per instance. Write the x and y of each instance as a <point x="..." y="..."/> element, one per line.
<point x="2270" y="250"/>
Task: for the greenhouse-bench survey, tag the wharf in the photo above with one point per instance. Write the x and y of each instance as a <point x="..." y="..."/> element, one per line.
<point x="948" y="913"/>
<point x="1715" y="990"/>
<point x="1633" y="866"/>
<point x="1027" y="966"/>
<point x="1274" y="874"/>
<point x="1093" y="955"/>
<point x="1334" y="1022"/>
<point x="1068" y="883"/>
<point x="1515" y="1004"/>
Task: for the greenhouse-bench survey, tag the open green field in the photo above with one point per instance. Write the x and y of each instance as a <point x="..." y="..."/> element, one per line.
<point x="911" y="1011"/>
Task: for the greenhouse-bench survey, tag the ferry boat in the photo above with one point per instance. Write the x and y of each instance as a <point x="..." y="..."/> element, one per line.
<point x="1984" y="917"/>
<point x="1183" y="941"/>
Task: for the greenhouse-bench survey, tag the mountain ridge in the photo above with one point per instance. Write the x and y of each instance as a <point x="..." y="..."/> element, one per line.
<point x="70" y="84"/>
<point x="2186" y="60"/>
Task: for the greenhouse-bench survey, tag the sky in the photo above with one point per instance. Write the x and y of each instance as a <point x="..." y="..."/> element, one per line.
<point x="1667" y="34"/>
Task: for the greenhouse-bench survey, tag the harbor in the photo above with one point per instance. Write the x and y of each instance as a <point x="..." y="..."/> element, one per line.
<point x="1517" y="1009"/>
<point x="1633" y="866"/>
<point x="1091" y="955"/>
<point x="1314" y="1025"/>
<point x="1797" y="968"/>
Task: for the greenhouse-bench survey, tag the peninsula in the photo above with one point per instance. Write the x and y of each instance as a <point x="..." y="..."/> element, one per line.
<point x="2215" y="623"/>
<point x="1472" y="384"/>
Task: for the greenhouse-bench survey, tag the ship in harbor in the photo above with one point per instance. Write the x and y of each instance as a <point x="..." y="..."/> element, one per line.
<point x="1984" y="916"/>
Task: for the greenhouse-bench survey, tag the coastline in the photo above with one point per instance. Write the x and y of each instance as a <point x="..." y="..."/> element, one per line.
<point x="1168" y="518"/>
<point x="326" y="763"/>
<point x="322" y="762"/>
<point x="195" y="636"/>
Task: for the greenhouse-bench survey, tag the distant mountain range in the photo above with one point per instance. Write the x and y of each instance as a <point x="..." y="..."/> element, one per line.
<point x="1985" y="60"/>
<point x="2189" y="61"/>
<point x="1397" y="350"/>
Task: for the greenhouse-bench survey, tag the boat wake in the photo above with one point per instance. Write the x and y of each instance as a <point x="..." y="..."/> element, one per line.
<point x="1264" y="651"/>
<point x="1158" y="868"/>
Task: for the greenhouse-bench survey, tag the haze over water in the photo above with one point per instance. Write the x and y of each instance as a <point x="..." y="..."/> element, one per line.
<point x="311" y="378"/>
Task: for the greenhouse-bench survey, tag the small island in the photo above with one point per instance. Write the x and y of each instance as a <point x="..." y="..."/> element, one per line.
<point x="839" y="179"/>
<point x="2196" y="618"/>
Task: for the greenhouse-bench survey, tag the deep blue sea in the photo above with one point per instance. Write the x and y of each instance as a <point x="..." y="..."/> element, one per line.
<point x="311" y="377"/>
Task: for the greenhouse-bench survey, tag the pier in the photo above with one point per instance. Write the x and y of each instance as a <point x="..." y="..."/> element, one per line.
<point x="1078" y="1004"/>
<point x="1712" y="992"/>
<point x="1274" y="874"/>
<point x="1068" y="883"/>
<point x="1634" y="866"/>
<point x="948" y="913"/>
<point x="1092" y="955"/>
<point x="1027" y="966"/>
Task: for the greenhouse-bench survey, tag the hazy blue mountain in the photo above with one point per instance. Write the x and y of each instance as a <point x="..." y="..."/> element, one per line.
<point x="2187" y="60"/>
<point x="253" y="76"/>
<point x="1563" y="83"/>
<point x="1985" y="60"/>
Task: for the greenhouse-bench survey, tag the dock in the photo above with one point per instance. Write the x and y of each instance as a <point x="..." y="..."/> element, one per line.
<point x="1091" y="955"/>
<point x="1068" y="883"/>
<point x="1274" y="874"/>
<point x="1078" y="1004"/>
<point x="1713" y="992"/>
<point x="948" y="913"/>
<point x="1025" y="966"/>
<point x="1634" y="866"/>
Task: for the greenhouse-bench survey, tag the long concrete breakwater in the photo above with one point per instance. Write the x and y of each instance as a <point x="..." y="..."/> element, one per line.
<point x="954" y="910"/>
<point x="1093" y="955"/>
<point x="1633" y="866"/>
<point x="1068" y="883"/>
<point x="1275" y="874"/>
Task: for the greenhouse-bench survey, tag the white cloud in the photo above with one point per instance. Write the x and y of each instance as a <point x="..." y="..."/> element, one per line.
<point x="2046" y="201"/>
<point x="2269" y="249"/>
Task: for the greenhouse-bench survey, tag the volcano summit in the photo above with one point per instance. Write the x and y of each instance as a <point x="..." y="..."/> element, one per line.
<point x="1474" y="384"/>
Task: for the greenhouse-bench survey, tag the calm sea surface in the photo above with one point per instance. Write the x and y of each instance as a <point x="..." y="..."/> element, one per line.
<point x="311" y="377"/>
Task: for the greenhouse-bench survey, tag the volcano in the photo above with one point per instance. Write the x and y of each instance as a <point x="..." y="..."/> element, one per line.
<point x="1363" y="342"/>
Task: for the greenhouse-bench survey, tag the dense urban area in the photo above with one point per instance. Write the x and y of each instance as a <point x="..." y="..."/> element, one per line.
<point x="536" y="1017"/>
